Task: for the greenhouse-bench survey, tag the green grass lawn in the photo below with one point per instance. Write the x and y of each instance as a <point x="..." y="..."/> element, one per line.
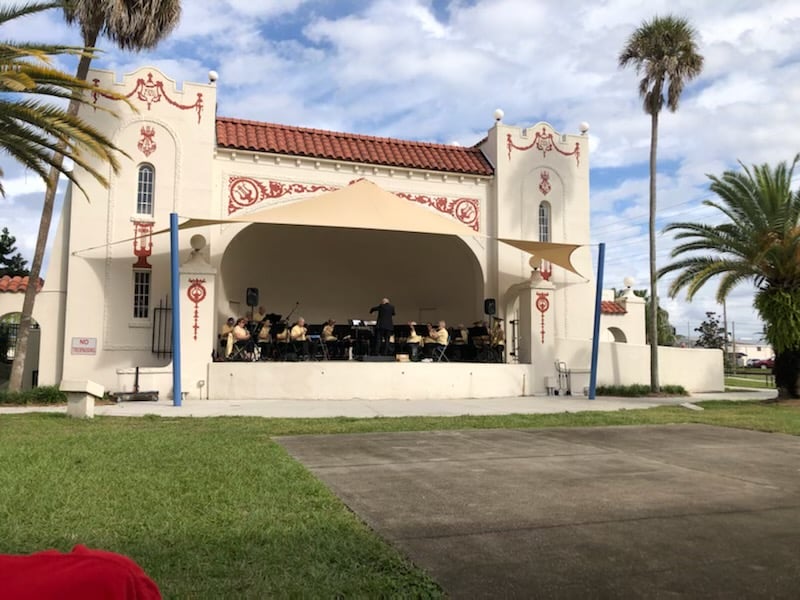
<point x="760" y="381"/>
<point x="214" y="508"/>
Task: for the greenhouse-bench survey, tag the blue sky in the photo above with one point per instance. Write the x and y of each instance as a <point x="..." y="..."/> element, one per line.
<point x="436" y="70"/>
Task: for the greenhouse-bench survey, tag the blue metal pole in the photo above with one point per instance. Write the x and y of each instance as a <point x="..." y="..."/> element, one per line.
<point x="176" y="309"/>
<point x="601" y="258"/>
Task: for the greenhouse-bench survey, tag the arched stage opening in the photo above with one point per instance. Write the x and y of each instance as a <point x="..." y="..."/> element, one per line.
<point x="340" y="273"/>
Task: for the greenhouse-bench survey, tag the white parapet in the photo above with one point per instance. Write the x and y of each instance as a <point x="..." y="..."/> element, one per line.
<point x="81" y="396"/>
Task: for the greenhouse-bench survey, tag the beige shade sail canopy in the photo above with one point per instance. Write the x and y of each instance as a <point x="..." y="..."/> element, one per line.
<point x="558" y="254"/>
<point x="365" y="205"/>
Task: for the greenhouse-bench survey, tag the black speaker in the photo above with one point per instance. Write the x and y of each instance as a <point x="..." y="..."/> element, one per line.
<point x="252" y="296"/>
<point x="489" y="306"/>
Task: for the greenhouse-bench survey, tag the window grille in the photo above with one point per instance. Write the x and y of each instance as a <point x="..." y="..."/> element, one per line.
<point x="141" y="294"/>
<point x="544" y="222"/>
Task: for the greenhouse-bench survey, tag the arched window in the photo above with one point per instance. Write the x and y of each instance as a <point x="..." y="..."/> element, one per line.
<point x="544" y="222"/>
<point x="145" y="189"/>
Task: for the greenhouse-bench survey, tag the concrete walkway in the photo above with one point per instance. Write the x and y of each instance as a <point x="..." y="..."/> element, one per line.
<point x="392" y="408"/>
<point x="678" y="511"/>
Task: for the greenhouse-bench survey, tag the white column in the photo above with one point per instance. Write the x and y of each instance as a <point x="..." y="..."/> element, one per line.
<point x="198" y="337"/>
<point x="537" y="338"/>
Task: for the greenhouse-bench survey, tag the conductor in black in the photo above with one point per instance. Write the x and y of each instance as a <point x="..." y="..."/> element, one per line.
<point x="384" y="326"/>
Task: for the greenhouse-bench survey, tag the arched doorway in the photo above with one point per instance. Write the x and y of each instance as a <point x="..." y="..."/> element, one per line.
<point x="340" y="273"/>
<point x="9" y="326"/>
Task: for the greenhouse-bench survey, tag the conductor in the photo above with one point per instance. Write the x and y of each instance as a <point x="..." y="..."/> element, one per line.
<point x="384" y="326"/>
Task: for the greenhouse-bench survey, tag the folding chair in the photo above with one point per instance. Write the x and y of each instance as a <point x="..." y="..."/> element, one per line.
<point x="439" y="353"/>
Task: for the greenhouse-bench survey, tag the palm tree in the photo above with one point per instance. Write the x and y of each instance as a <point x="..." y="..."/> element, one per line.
<point x="758" y="241"/>
<point x="664" y="52"/>
<point x="131" y="26"/>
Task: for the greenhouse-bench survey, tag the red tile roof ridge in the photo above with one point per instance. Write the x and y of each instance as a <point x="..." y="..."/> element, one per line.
<point x="17" y="283"/>
<point x="260" y="136"/>
<point x="347" y="134"/>
<point x="612" y="307"/>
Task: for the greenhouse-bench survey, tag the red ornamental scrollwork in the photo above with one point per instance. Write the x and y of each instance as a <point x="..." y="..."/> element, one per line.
<point x="247" y="191"/>
<point x="465" y="210"/>
<point x="196" y="293"/>
<point x="147" y="145"/>
<point x="544" y="183"/>
<point x="151" y="92"/>
<point x="544" y="142"/>
<point x="542" y="305"/>
<point x="142" y="243"/>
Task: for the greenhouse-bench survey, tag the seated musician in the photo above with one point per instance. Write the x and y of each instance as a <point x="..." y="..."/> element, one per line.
<point x="298" y="336"/>
<point x="414" y="340"/>
<point x="335" y="348"/>
<point x="437" y="336"/>
<point x="241" y="337"/>
<point x="264" y="339"/>
<point x="226" y="336"/>
<point x="498" y="338"/>
<point x="259" y="314"/>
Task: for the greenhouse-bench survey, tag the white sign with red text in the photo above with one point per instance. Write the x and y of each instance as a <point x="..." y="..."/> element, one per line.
<point x="82" y="345"/>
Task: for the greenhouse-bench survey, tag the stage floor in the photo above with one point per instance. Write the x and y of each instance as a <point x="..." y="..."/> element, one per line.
<point x="342" y="380"/>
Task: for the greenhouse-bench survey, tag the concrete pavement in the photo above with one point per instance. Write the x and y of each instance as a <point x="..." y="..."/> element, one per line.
<point x="679" y="511"/>
<point x="391" y="408"/>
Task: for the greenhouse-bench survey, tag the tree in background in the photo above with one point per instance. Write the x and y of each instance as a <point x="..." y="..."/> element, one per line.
<point x="131" y="26"/>
<point x="758" y="241"/>
<point x="11" y="264"/>
<point x="664" y="52"/>
<point x="711" y="333"/>
<point x="666" y="332"/>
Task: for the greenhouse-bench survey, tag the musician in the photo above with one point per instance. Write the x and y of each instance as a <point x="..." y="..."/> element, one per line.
<point x="414" y="341"/>
<point x="298" y="336"/>
<point x="241" y="337"/>
<point x="334" y="346"/>
<point x="384" y="327"/>
<point x="437" y="336"/>
<point x="264" y="338"/>
<point x="498" y="338"/>
<point x="259" y="314"/>
<point x="226" y="336"/>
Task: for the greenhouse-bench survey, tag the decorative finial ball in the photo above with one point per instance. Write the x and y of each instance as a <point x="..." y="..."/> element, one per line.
<point x="213" y="76"/>
<point x="584" y="127"/>
<point x="198" y="242"/>
<point x="499" y="114"/>
<point x="629" y="281"/>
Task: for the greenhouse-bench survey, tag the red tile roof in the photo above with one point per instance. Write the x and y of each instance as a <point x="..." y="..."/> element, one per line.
<point x="318" y="143"/>
<point x="17" y="284"/>
<point x="607" y="307"/>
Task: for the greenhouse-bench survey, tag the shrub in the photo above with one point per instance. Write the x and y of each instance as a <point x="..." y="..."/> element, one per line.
<point x="638" y="390"/>
<point x="48" y="394"/>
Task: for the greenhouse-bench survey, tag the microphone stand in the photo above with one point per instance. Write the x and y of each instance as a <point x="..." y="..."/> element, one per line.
<point x="291" y="312"/>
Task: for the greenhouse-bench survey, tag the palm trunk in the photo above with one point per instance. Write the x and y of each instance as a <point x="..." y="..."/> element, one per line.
<point x="18" y="367"/>
<point x="652" y="317"/>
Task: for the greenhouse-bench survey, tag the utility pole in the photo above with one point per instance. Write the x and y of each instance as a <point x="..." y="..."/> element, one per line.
<point x="733" y="335"/>
<point x="725" y="355"/>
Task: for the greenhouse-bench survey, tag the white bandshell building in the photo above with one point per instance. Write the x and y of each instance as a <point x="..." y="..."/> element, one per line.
<point x="324" y="224"/>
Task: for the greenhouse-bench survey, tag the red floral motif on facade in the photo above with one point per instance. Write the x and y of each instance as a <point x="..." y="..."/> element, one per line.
<point x="196" y="293"/>
<point x="147" y="145"/>
<point x="546" y="270"/>
<point x="247" y="191"/>
<point x="544" y="142"/>
<point x="542" y="305"/>
<point x="465" y="210"/>
<point x="544" y="183"/>
<point x="151" y="92"/>
<point x="142" y="243"/>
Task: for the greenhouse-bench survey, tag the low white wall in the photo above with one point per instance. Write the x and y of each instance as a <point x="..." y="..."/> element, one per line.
<point x="696" y="369"/>
<point x="374" y="381"/>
